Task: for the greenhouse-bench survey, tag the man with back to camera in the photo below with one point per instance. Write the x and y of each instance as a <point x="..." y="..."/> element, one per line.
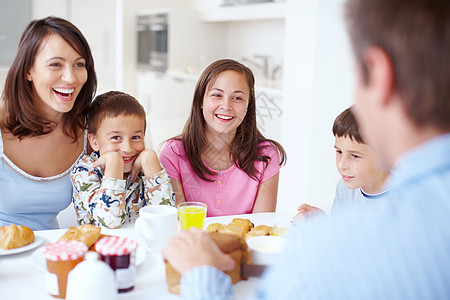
<point x="394" y="249"/>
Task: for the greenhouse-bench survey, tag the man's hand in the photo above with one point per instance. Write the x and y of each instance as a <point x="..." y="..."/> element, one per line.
<point x="194" y="248"/>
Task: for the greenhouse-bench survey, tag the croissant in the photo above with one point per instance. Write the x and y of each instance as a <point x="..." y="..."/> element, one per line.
<point x="88" y="234"/>
<point x="15" y="236"/>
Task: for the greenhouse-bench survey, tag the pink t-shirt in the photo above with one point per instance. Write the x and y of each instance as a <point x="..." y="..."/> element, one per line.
<point x="231" y="192"/>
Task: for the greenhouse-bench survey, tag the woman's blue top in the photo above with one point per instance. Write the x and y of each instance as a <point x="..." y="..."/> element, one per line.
<point x="29" y="200"/>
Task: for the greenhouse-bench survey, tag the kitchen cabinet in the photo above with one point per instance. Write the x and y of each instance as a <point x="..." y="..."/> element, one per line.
<point x="258" y="29"/>
<point x="167" y="101"/>
<point x="248" y="12"/>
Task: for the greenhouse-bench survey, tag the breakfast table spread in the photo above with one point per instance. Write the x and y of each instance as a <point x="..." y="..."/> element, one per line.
<point x="22" y="272"/>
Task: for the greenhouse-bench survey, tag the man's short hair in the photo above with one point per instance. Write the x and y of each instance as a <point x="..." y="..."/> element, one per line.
<point x="415" y="34"/>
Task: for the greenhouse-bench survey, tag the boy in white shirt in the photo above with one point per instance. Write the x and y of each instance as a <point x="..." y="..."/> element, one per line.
<point x="362" y="179"/>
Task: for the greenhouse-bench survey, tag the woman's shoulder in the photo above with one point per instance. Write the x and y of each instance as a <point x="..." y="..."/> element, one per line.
<point x="173" y="146"/>
<point x="267" y="148"/>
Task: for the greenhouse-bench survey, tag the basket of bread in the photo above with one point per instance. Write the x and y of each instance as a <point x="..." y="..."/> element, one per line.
<point x="264" y="242"/>
<point x="232" y="240"/>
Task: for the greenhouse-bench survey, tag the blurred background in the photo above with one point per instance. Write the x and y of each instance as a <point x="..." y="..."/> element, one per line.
<point x="156" y="49"/>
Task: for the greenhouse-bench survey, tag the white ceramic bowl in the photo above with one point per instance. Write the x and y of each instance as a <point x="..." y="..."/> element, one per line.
<point x="265" y="248"/>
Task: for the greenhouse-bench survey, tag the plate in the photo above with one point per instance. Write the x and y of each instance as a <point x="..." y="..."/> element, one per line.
<point x="37" y="241"/>
<point x="269" y="219"/>
<point x="39" y="260"/>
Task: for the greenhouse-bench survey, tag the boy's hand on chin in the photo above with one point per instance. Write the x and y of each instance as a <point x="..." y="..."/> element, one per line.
<point x="148" y="161"/>
<point x="112" y="164"/>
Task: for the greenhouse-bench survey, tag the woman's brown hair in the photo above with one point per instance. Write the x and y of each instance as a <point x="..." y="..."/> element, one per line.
<point x="20" y="116"/>
<point x="245" y="148"/>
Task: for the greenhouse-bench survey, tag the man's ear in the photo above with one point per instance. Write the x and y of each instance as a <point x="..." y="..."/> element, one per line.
<point x="93" y="141"/>
<point x="380" y="73"/>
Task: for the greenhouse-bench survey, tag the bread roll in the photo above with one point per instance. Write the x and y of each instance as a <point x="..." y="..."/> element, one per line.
<point x="215" y="227"/>
<point x="259" y="230"/>
<point x="242" y="225"/>
<point x="88" y="234"/>
<point x="15" y="236"/>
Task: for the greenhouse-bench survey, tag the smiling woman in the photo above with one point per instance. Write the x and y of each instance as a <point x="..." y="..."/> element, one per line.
<point x="43" y="122"/>
<point x="58" y="74"/>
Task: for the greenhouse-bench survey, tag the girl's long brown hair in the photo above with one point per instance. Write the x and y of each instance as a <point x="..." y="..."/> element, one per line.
<point x="245" y="149"/>
<point x="20" y="116"/>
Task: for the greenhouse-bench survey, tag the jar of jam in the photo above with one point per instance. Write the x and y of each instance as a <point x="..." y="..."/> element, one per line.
<point x="120" y="254"/>
<point x="61" y="258"/>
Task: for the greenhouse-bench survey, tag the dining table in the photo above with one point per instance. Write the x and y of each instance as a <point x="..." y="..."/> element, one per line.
<point x="22" y="273"/>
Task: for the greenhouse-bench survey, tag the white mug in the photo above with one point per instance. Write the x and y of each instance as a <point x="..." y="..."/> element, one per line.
<point x="157" y="224"/>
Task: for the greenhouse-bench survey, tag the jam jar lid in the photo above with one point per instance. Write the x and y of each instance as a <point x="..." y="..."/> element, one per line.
<point x="65" y="250"/>
<point x="115" y="246"/>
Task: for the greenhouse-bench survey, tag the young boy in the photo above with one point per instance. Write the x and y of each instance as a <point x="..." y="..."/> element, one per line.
<point x="120" y="176"/>
<point x="362" y="179"/>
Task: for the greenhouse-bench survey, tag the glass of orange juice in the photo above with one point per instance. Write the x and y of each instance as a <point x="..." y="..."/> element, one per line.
<point x="191" y="214"/>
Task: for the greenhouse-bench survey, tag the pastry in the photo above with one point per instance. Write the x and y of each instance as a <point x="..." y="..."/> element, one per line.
<point x="15" y="236"/>
<point x="88" y="234"/>
<point x="259" y="231"/>
<point x="232" y="245"/>
<point x="242" y="225"/>
<point x="215" y="227"/>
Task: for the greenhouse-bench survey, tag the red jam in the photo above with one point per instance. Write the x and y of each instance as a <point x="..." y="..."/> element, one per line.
<point x="119" y="253"/>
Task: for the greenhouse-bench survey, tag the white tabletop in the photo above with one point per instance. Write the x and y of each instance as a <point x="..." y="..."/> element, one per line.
<point x="21" y="279"/>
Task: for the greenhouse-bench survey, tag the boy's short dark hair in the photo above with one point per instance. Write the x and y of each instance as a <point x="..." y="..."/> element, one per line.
<point x="110" y="105"/>
<point x="345" y="125"/>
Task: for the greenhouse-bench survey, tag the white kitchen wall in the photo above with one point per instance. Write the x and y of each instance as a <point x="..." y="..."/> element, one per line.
<point x="261" y="37"/>
<point x="44" y="8"/>
<point x="101" y="15"/>
<point x="318" y="83"/>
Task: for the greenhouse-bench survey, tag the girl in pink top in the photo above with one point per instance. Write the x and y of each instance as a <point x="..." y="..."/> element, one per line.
<point x="221" y="158"/>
